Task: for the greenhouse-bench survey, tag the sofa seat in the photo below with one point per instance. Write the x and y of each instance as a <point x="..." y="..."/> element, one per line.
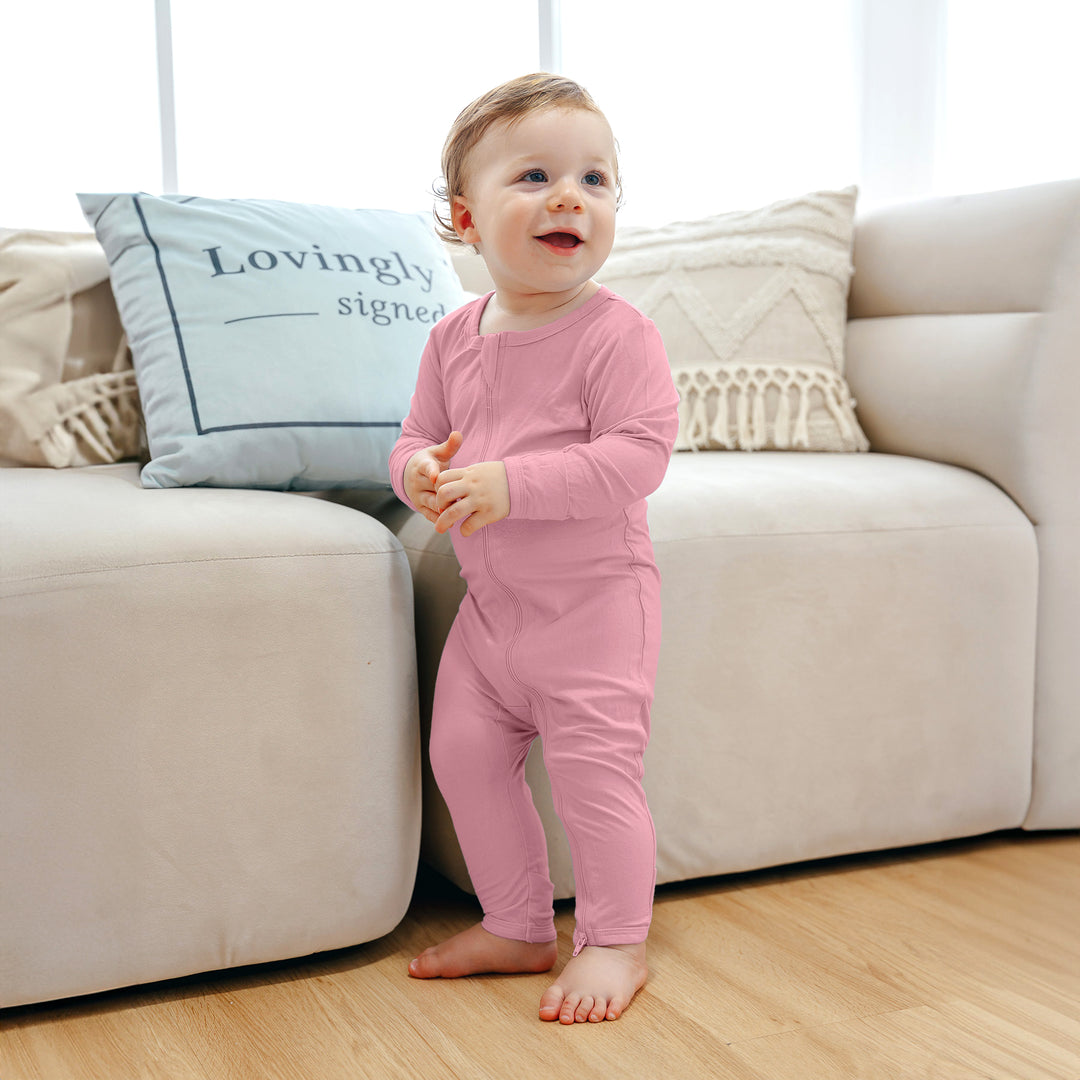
<point x="847" y="660"/>
<point x="211" y="751"/>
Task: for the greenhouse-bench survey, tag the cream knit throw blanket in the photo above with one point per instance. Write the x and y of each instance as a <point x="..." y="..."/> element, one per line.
<point x="68" y="395"/>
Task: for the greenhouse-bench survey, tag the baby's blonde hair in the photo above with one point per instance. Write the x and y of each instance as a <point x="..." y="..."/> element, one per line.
<point x="509" y="102"/>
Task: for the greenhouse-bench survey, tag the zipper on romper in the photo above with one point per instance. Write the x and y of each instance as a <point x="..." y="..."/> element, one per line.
<point x="485" y="540"/>
<point x="519" y="621"/>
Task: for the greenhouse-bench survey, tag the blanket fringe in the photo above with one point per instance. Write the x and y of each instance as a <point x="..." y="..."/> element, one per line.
<point x="91" y="421"/>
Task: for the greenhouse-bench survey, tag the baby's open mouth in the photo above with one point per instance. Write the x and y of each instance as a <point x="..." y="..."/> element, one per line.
<point x="561" y="239"/>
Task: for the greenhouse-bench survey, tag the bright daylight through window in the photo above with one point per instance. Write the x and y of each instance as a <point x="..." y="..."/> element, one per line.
<point x="717" y="107"/>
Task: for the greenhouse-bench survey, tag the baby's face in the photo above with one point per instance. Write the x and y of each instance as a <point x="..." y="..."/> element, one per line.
<point x="540" y="200"/>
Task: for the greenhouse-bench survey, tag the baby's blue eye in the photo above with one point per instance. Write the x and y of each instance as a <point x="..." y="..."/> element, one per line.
<point x="594" y="179"/>
<point x="535" y="176"/>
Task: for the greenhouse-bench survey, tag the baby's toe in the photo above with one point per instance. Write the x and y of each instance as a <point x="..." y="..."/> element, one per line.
<point x="551" y="1003"/>
<point x="569" y="1008"/>
<point x="615" y="1008"/>
<point x="599" y="1011"/>
<point x="425" y="966"/>
<point x="584" y="1009"/>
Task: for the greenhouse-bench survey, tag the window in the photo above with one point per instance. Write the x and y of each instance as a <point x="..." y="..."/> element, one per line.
<point x="337" y="102"/>
<point x="79" y="86"/>
<point x="1011" y="89"/>
<point x="720" y="106"/>
<point x="717" y="107"/>
<point x="329" y="100"/>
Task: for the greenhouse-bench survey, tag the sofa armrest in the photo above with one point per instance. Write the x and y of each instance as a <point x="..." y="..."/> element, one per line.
<point x="963" y="346"/>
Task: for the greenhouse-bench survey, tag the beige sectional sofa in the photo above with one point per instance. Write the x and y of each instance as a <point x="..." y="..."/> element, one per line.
<point x="863" y="651"/>
<point x="210" y="753"/>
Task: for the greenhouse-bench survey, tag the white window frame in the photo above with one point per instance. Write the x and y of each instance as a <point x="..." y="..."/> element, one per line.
<point x="550" y="15"/>
<point x="166" y="96"/>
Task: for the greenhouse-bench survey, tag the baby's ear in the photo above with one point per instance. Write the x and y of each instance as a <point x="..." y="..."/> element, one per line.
<point x="462" y="218"/>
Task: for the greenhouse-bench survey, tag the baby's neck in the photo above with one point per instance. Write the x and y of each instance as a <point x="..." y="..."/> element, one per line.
<point x="502" y="313"/>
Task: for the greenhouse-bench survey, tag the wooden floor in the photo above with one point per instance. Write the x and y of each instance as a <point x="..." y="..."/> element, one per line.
<point x="959" y="960"/>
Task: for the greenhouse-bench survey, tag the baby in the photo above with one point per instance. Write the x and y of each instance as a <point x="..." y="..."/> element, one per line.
<point x="554" y="398"/>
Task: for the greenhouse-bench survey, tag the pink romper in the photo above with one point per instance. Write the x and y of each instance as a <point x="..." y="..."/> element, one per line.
<point x="558" y="634"/>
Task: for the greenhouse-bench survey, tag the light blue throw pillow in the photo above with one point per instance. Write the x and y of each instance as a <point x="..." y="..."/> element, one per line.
<point x="276" y="345"/>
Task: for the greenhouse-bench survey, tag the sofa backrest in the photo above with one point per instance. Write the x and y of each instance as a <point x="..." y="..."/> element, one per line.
<point x="962" y="343"/>
<point x="963" y="340"/>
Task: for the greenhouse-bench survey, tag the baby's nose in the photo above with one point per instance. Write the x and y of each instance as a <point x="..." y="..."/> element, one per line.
<point x="565" y="196"/>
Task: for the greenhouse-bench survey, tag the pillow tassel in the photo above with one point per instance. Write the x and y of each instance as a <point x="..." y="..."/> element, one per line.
<point x="782" y="423"/>
<point x="682" y="439"/>
<point x="760" y="434"/>
<point x="843" y="411"/>
<point x="742" y="416"/>
<point x="720" y="432"/>
<point x="699" y="422"/>
<point x="801" y="436"/>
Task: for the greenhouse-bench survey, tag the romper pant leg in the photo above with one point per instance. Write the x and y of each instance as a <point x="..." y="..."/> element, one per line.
<point x="596" y="667"/>
<point x="478" y="750"/>
<point x="593" y="751"/>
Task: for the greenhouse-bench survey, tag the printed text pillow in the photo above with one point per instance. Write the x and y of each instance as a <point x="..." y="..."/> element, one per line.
<point x="275" y="344"/>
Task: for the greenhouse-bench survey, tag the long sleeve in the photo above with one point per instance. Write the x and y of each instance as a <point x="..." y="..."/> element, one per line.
<point x="427" y="423"/>
<point x="633" y="410"/>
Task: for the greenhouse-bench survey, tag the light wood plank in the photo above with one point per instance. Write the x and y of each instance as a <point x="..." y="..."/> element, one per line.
<point x="950" y="1042"/>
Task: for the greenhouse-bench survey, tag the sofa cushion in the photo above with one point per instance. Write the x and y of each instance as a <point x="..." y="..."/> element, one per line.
<point x="848" y="658"/>
<point x="752" y="308"/>
<point x="276" y="345"/>
<point x="209" y="754"/>
<point x="67" y="390"/>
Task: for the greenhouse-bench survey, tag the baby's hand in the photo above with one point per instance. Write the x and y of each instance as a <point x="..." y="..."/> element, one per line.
<point x="423" y="470"/>
<point x="476" y="496"/>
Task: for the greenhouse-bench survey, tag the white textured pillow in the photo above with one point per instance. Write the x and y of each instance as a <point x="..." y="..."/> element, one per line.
<point x="752" y="307"/>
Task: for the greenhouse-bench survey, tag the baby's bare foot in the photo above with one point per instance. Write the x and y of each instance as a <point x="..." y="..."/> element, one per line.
<point x="596" y="985"/>
<point x="476" y="950"/>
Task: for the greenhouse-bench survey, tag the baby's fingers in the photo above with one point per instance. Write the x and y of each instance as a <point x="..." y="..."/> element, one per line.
<point x="447" y="496"/>
<point x="454" y="510"/>
<point x="446" y="450"/>
<point x="448" y="476"/>
<point x="446" y="520"/>
<point x="471" y="524"/>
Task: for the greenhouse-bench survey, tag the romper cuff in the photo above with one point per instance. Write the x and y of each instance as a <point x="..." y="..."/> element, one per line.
<point x="539" y="487"/>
